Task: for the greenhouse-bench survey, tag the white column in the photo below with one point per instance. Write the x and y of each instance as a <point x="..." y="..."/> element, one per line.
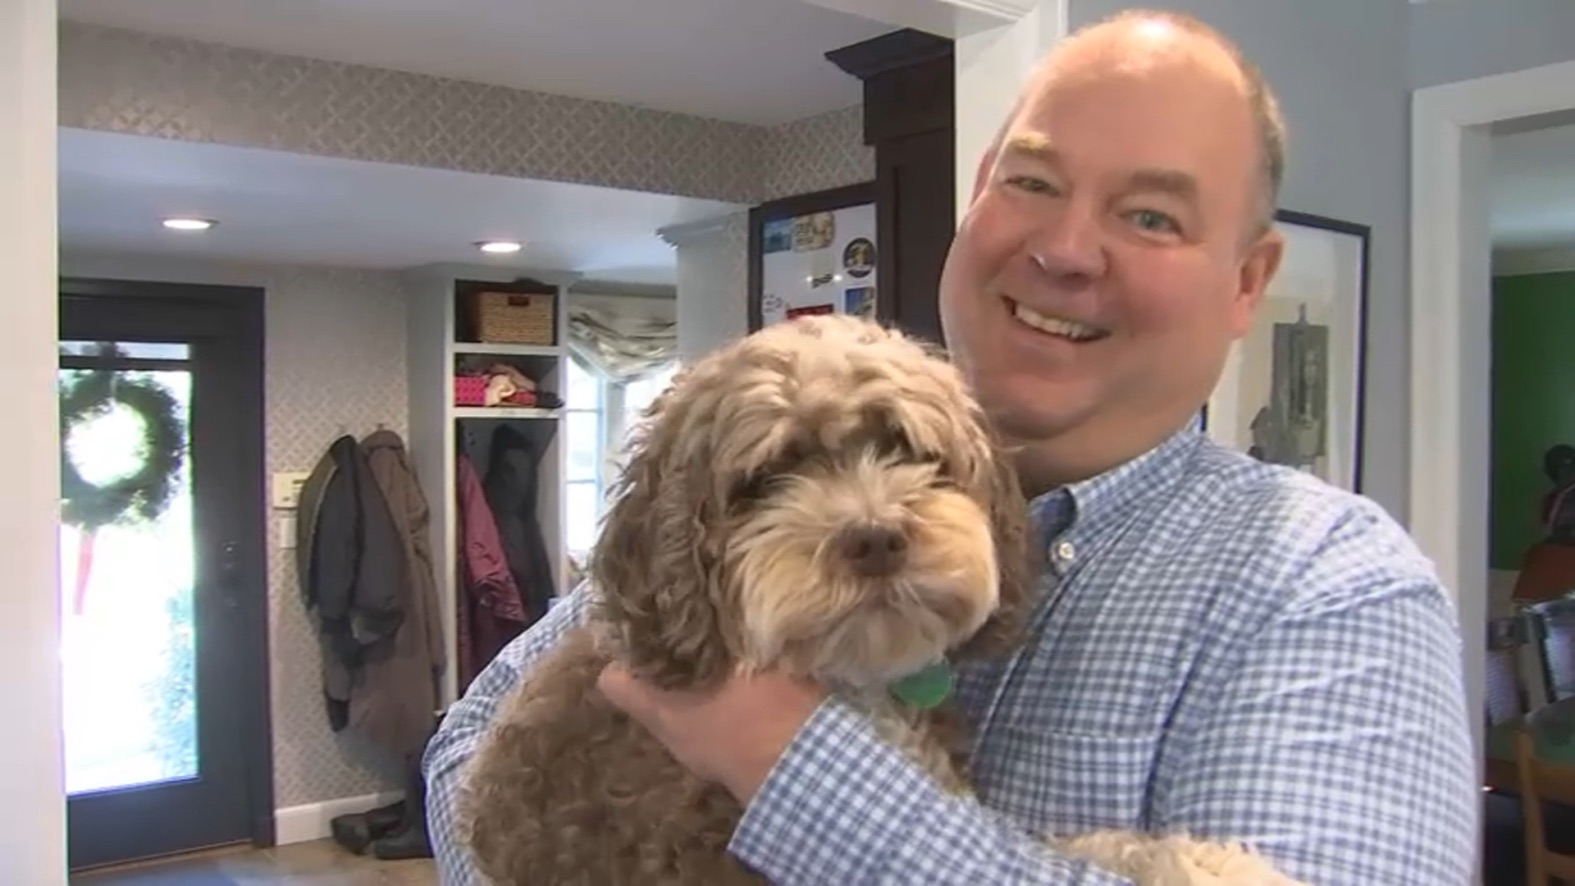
<point x="992" y="65"/>
<point x="32" y="844"/>
<point x="713" y="281"/>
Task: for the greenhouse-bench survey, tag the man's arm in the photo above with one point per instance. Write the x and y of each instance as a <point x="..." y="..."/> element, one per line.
<point x="1336" y="742"/>
<point x="1340" y="745"/>
<point x="466" y="722"/>
<point x="842" y="806"/>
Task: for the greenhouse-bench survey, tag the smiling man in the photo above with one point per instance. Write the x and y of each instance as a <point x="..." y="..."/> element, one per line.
<point x="1223" y="647"/>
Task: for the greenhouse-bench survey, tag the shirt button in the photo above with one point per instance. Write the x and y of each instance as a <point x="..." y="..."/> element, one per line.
<point x="1065" y="552"/>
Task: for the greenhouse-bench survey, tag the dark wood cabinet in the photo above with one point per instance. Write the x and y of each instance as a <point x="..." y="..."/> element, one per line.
<point x="909" y="117"/>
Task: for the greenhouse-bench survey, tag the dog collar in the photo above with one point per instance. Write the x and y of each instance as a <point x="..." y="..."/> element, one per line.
<point x="926" y="687"/>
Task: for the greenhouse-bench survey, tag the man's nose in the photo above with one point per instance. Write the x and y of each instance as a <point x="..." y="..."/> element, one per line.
<point x="1068" y="244"/>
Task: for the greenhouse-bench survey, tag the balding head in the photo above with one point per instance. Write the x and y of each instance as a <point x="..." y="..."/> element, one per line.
<point x="1138" y="38"/>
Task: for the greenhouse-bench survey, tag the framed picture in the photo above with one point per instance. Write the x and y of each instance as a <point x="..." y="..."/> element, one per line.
<point x="813" y="254"/>
<point x="1293" y="388"/>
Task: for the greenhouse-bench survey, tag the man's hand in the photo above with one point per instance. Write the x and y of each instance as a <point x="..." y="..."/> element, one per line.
<point x="733" y="736"/>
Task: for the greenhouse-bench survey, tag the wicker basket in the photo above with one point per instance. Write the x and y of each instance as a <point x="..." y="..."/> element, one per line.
<point x="515" y="318"/>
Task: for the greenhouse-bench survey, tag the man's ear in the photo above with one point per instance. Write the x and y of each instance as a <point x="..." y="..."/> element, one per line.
<point x="1258" y="267"/>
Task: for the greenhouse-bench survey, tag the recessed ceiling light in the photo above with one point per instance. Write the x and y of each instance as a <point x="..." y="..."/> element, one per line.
<point x="498" y="247"/>
<point x="189" y="224"/>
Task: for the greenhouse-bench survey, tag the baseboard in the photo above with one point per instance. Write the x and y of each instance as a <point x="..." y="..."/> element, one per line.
<point x="309" y="821"/>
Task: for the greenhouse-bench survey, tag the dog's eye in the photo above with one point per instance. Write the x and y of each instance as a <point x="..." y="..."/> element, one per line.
<point x="750" y="489"/>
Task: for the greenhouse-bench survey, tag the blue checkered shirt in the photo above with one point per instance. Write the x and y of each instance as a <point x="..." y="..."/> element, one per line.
<point x="1222" y="647"/>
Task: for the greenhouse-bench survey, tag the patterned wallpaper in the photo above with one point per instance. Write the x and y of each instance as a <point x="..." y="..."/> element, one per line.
<point x="335" y="363"/>
<point x="335" y="338"/>
<point x="824" y="151"/>
<point x="142" y="84"/>
<point x="125" y="81"/>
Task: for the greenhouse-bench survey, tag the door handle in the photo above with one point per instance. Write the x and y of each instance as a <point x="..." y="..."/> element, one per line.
<point x="230" y="574"/>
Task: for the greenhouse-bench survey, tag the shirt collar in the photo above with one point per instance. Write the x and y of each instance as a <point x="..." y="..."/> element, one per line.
<point x="1073" y="516"/>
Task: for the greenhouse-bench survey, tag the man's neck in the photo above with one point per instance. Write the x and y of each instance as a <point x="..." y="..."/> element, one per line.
<point x="1052" y="464"/>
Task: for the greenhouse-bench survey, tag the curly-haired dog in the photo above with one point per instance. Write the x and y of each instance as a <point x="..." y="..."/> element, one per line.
<point x="824" y="497"/>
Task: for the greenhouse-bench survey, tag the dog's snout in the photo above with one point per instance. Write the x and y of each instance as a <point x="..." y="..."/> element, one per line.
<point x="874" y="551"/>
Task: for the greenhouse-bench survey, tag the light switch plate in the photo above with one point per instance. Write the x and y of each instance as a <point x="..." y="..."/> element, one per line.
<point x="287" y="488"/>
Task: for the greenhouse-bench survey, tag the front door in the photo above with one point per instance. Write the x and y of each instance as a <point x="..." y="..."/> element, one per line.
<point x="163" y="590"/>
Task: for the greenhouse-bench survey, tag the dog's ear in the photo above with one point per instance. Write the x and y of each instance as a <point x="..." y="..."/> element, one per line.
<point x="1016" y="559"/>
<point x="655" y="568"/>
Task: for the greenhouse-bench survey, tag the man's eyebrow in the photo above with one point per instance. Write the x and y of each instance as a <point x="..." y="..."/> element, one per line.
<point x="1031" y="144"/>
<point x="1164" y="181"/>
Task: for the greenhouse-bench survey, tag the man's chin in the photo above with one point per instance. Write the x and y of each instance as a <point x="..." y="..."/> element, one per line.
<point x="1028" y="423"/>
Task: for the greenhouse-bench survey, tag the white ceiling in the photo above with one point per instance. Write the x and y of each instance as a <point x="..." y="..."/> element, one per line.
<point x="275" y="206"/>
<point x="1534" y="189"/>
<point x="749" y="61"/>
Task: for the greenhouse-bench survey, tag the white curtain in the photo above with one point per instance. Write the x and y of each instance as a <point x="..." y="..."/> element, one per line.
<point x="621" y="345"/>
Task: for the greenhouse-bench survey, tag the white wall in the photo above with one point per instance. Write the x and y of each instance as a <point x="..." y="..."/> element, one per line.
<point x="32" y="844"/>
<point x="1466" y="39"/>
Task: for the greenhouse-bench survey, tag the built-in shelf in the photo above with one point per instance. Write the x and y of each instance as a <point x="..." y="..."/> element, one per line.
<point x="504" y="412"/>
<point x="507" y="350"/>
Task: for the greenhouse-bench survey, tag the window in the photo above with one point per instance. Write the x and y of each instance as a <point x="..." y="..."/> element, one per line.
<point x="637" y="396"/>
<point x="583" y="434"/>
<point x="597" y="415"/>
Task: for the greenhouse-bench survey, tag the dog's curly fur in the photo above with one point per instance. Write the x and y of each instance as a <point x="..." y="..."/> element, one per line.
<point x="823" y="497"/>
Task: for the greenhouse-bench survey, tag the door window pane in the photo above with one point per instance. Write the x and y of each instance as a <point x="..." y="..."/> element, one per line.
<point x="127" y="572"/>
<point x="582" y="510"/>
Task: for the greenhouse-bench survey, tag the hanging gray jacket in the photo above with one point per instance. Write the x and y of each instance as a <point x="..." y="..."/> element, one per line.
<point x="351" y="567"/>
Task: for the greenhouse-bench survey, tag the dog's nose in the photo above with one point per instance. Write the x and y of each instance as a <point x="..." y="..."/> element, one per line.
<point x="874" y="551"/>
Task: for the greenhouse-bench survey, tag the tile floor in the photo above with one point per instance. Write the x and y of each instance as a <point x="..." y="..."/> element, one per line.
<point x="321" y="863"/>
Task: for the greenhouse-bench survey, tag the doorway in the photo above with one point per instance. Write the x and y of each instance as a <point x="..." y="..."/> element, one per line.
<point x="1451" y="316"/>
<point x="163" y="583"/>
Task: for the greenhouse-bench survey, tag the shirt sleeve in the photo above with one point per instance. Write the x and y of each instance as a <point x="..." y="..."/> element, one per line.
<point x="466" y="722"/>
<point x="1340" y="746"/>
<point x="842" y="806"/>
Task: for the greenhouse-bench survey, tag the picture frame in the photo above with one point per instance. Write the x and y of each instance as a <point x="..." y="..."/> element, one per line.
<point x="814" y="253"/>
<point x="1293" y="389"/>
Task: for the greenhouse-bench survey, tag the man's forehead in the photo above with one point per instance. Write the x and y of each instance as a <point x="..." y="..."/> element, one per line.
<point x="1133" y="50"/>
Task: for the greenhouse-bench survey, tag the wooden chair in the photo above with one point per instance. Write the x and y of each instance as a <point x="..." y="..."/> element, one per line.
<point x="1541" y="782"/>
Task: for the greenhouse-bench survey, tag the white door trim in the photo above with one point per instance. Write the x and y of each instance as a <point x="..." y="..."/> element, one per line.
<point x="1451" y="130"/>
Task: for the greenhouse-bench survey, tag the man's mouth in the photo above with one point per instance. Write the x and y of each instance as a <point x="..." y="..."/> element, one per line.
<point x="1060" y="327"/>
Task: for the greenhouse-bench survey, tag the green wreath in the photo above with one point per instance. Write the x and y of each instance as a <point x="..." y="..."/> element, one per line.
<point x="143" y="495"/>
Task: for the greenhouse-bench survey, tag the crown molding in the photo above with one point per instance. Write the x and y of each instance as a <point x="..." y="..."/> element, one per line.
<point x="943" y="18"/>
<point x="690" y="233"/>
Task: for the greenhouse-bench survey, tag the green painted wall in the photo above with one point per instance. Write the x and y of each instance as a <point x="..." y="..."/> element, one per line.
<point x="1533" y="401"/>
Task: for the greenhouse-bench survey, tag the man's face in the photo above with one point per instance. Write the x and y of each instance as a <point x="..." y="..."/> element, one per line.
<point x="1110" y="256"/>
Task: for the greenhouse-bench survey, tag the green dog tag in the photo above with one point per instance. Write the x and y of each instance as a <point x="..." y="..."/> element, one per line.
<point x="926" y="687"/>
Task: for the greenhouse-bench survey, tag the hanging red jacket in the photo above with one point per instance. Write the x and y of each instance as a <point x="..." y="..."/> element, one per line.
<point x="491" y="610"/>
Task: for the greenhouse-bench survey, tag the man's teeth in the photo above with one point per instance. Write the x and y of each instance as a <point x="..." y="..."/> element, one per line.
<point x="1055" y="325"/>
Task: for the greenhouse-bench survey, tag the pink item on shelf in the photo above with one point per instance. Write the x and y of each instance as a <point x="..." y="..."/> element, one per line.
<point x="470" y="390"/>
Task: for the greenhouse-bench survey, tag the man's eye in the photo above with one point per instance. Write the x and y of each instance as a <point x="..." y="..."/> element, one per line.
<point x="1030" y="184"/>
<point x="1156" y="222"/>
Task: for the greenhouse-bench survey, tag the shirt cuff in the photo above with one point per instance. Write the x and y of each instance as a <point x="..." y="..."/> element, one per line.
<point x="834" y="807"/>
